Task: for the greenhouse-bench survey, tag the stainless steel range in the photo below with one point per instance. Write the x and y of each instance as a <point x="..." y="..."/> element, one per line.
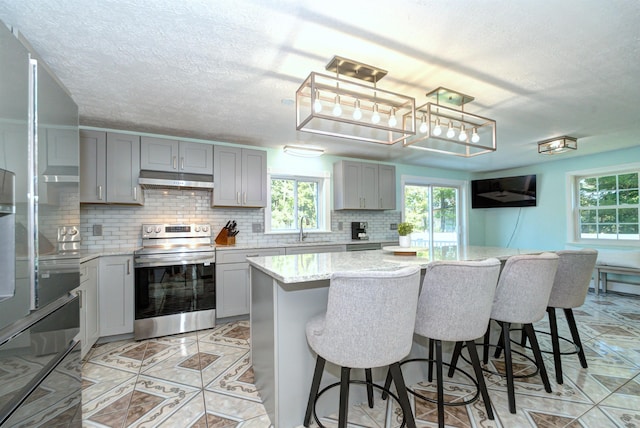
<point x="174" y="280"/>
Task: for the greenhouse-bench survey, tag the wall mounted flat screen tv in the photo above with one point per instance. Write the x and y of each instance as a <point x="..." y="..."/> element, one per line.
<point x="503" y="192"/>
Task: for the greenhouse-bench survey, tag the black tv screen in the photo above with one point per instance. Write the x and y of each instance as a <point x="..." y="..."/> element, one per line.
<point x="502" y="192"/>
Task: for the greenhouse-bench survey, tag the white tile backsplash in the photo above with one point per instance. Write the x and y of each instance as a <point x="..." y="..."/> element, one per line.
<point x="122" y="224"/>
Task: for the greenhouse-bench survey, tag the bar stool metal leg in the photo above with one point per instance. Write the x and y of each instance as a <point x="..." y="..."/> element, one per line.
<point x="555" y="343"/>
<point x="403" y="397"/>
<point x="508" y="367"/>
<point x="344" y="397"/>
<point x="475" y="361"/>
<point x="576" y="336"/>
<point x="531" y="334"/>
<point x="315" y="386"/>
<point x="369" y="379"/>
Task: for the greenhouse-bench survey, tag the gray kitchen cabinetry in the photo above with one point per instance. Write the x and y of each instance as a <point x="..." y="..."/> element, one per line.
<point x="232" y="279"/>
<point x="115" y="295"/>
<point x="89" y="305"/>
<point x="363" y="186"/>
<point x="161" y="154"/>
<point x="240" y="177"/>
<point x="312" y="249"/>
<point x="109" y="168"/>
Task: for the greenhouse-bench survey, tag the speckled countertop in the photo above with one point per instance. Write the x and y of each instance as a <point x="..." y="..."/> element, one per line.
<point x="315" y="267"/>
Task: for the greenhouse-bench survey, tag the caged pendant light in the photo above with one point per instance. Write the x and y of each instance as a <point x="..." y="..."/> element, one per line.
<point x="350" y="105"/>
<point x="448" y="130"/>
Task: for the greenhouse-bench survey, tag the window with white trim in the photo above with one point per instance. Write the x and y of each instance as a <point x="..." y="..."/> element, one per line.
<point x="607" y="206"/>
<point x="293" y="198"/>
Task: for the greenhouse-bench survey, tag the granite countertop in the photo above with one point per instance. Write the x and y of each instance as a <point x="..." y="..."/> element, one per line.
<point x="299" y="244"/>
<point x="316" y="267"/>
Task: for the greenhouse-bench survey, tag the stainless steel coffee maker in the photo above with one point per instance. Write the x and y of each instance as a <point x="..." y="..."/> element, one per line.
<point x="359" y="231"/>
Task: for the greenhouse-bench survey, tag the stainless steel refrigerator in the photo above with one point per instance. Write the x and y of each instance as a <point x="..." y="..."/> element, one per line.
<point x="40" y="381"/>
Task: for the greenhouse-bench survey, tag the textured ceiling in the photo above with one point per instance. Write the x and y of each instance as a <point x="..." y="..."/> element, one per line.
<point x="220" y="70"/>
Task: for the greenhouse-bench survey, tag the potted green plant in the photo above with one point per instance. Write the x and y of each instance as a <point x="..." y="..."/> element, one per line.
<point x="404" y="230"/>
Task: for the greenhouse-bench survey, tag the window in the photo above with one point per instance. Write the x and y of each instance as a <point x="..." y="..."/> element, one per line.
<point x="295" y="197"/>
<point x="608" y="206"/>
<point x="434" y="208"/>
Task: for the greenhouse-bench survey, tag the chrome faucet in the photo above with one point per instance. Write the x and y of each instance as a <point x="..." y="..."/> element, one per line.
<point x="302" y="234"/>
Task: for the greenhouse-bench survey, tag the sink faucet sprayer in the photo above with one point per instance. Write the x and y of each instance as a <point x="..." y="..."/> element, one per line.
<point x="302" y="234"/>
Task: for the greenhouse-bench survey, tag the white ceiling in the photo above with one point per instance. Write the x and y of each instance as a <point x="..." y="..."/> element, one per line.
<point x="219" y="69"/>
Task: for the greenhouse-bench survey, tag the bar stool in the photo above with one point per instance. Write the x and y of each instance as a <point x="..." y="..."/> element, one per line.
<point x="569" y="291"/>
<point x="368" y="323"/>
<point x="521" y="297"/>
<point x="454" y="306"/>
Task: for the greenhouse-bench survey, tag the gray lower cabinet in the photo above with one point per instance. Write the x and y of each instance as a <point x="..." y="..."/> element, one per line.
<point x="89" y="305"/>
<point x="115" y="295"/>
<point x="109" y="168"/>
<point x="311" y="249"/>
<point x="232" y="279"/>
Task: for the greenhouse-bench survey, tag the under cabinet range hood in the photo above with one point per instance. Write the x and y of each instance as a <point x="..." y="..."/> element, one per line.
<point x="174" y="180"/>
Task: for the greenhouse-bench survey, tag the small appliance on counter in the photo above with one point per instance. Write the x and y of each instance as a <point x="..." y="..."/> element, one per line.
<point x="359" y="231"/>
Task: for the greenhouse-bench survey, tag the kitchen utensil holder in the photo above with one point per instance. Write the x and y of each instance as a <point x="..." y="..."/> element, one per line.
<point x="223" y="238"/>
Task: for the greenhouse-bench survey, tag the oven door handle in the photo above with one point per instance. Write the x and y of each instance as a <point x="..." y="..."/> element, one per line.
<point x="150" y="261"/>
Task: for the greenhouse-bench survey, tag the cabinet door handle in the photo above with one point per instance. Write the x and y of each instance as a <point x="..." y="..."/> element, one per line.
<point x="252" y="255"/>
<point x="79" y="294"/>
<point x="99" y="193"/>
<point x="182" y="163"/>
<point x="128" y="266"/>
<point x="175" y="162"/>
<point x="135" y="193"/>
<point x="244" y="197"/>
<point x="238" y="197"/>
<point x="380" y="203"/>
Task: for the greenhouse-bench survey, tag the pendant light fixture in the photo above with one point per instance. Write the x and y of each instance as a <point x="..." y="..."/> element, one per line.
<point x="456" y="140"/>
<point x="352" y="106"/>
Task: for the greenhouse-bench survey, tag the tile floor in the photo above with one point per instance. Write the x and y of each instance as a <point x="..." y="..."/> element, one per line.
<point x="204" y="379"/>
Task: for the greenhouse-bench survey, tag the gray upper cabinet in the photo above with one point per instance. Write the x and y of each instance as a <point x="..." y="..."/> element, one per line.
<point x="93" y="167"/>
<point x="387" y="187"/>
<point x="160" y="154"/>
<point x="109" y="168"/>
<point x="364" y="186"/>
<point x="240" y="177"/>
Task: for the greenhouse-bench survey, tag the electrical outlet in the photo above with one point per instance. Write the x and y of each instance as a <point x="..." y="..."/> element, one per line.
<point x="97" y="230"/>
<point x="256" y="227"/>
<point x="393" y="226"/>
<point x="340" y="225"/>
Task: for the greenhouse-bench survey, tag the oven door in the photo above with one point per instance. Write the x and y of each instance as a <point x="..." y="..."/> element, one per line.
<point x="173" y="298"/>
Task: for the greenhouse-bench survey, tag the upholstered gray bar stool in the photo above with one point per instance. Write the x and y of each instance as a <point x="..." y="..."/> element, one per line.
<point x="569" y="291"/>
<point x="521" y="297"/>
<point x="368" y="323"/>
<point x="454" y="306"/>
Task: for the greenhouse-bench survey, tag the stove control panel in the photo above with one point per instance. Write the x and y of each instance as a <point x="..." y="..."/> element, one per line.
<point x="194" y="230"/>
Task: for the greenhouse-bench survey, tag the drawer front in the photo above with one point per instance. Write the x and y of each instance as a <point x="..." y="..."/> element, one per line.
<point x="240" y="256"/>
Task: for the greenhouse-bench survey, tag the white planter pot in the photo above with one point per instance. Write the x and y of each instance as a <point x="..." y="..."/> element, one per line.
<point x="405" y="241"/>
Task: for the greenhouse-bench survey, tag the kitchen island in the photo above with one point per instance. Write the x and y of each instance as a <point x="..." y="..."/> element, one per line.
<point x="286" y="292"/>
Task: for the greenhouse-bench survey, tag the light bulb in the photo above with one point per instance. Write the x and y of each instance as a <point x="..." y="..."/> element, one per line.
<point x="357" y="113"/>
<point x="375" y="118"/>
<point x="438" y="129"/>
<point x="393" y="120"/>
<point x="463" y="134"/>
<point x="450" y="132"/>
<point x="474" y="136"/>
<point x="423" y="126"/>
<point x="317" y="105"/>
<point x="337" y="109"/>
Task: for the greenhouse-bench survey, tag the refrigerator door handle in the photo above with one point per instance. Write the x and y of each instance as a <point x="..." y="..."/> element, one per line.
<point x="32" y="173"/>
